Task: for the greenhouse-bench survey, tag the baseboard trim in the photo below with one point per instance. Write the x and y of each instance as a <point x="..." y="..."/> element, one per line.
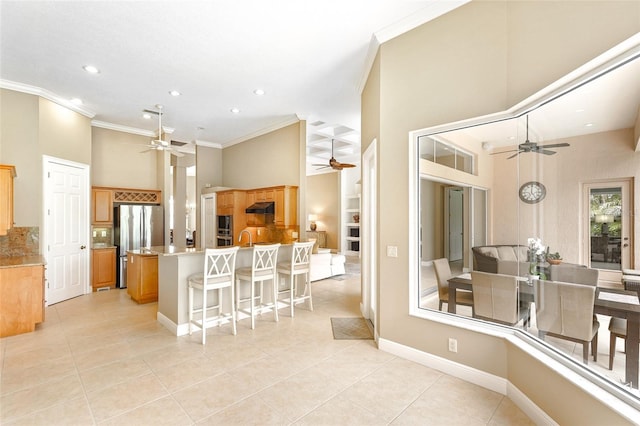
<point x="471" y="375"/>
<point x="176" y="330"/>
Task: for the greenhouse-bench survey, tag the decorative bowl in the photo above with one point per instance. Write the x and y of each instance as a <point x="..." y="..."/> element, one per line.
<point x="554" y="261"/>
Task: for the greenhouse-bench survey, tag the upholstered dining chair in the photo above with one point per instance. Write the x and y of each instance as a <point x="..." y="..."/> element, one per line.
<point x="299" y="264"/>
<point x="573" y="274"/>
<point x="618" y="326"/>
<point x="496" y="298"/>
<point x="565" y="311"/>
<point x="443" y="274"/>
<point x="218" y="274"/>
<point x="263" y="268"/>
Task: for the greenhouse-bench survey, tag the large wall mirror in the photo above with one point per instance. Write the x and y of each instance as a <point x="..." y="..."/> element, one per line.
<point x="557" y="179"/>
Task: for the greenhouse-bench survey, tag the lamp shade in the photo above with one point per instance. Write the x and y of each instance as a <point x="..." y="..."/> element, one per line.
<point x="604" y="218"/>
<point x="313" y="217"/>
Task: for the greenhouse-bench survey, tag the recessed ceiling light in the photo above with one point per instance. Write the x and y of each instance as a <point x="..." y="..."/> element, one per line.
<point x="91" y="69"/>
<point x="174" y="93"/>
<point x="76" y="101"/>
<point x="146" y="115"/>
<point x="259" y="92"/>
<point x="588" y="125"/>
<point x="235" y="110"/>
<point x="580" y="110"/>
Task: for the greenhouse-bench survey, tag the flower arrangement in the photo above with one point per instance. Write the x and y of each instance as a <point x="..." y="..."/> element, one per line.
<point x="535" y="254"/>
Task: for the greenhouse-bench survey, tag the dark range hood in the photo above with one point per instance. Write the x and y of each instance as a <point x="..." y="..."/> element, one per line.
<point x="262" y="208"/>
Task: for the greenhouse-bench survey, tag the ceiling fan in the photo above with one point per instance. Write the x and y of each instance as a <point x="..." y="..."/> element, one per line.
<point x="160" y="144"/>
<point x="333" y="163"/>
<point x="529" y="146"/>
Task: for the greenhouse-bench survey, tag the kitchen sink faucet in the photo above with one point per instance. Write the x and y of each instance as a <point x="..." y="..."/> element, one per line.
<point x="248" y="233"/>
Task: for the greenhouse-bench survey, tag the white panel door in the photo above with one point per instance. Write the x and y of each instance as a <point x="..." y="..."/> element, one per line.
<point x="208" y="221"/>
<point x="66" y="211"/>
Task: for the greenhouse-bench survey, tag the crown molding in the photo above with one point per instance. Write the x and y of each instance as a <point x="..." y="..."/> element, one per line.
<point x="208" y="144"/>
<point x="120" y="128"/>
<point x="422" y="16"/>
<point x="289" y="121"/>
<point x="38" y="91"/>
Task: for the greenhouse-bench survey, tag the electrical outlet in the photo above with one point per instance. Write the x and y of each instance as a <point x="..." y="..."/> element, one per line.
<point x="258" y="231"/>
<point x="453" y="345"/>
<point x="294" y="235"/>
<point x="392" y="251"/>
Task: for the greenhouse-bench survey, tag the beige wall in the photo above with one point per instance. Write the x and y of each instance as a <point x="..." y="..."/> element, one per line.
<point x="268" y="160"/>
<point x="118" y="160"/>
<point x="478" y="59"/>
<point x="30" y="128"/>
<point x="323" y="199"/>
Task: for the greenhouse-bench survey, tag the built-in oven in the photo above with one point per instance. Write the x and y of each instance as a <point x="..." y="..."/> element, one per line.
<point x="225" y="231"/>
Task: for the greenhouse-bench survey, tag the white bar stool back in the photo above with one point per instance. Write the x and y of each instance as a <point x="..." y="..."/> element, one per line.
<point x="263" y="269"/>
<point x="218" y="273"/>
<point x="298" y="265"/>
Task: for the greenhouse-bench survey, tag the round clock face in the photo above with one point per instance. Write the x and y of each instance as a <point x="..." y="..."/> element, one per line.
<point x="532" y="192"/>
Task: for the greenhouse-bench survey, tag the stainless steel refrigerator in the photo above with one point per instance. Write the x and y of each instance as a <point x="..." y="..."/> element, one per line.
<point x="135" y="227"/>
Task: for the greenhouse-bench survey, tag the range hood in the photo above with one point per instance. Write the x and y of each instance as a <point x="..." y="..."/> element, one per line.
<point x="262" y="208"/>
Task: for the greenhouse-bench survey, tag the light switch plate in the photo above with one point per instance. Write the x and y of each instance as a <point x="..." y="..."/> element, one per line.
<point x="392" y="251"/>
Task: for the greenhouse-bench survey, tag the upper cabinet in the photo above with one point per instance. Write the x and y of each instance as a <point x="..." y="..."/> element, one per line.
<point x="286" y="200"/>
<point x="102" y="199"/>
<point x="102" y="206"/>
<point x="7" y="173"/>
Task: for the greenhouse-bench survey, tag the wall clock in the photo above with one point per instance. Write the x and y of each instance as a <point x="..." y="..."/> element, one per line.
<point x="532" y="192"/>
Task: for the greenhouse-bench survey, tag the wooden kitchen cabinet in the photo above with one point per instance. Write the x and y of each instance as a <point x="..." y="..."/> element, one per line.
<point x="286" y="200"/>
<point x="101" y="206"/>
<point x="22" y="296"/>
<point x="7" y="174"/>
<point x="142" y="277"/>
<point x="103" y="268"/>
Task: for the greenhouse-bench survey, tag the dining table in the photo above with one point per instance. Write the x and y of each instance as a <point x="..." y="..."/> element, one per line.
<point x="608" y="301"/>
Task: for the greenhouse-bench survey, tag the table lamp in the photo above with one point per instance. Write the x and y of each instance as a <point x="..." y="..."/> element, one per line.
<point x="312" y="221"/>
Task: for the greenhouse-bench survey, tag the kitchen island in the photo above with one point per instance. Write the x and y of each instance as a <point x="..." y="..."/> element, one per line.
<point x="175" y="265"/>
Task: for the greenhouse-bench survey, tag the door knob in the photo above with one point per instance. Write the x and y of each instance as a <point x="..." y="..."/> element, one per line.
<point x="83" y="247"/>
<point x="625" y="245"/>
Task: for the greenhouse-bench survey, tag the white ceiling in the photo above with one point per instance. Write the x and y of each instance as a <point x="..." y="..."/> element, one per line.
<point x="310" y="58"/>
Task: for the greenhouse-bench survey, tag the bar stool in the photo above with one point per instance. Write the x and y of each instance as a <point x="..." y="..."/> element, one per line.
<point x="298" y="265"/>
<point x="218" y="273"/>
<point x="263" y="268"/>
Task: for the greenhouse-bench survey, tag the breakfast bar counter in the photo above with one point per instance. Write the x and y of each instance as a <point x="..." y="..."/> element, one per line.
<point x="175" y="265"/>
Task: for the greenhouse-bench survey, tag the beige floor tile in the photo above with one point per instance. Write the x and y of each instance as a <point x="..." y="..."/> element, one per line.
<point x="14" y="379"/>
<point x="251" y="411"/>
<point x="509" y="414"/>
<point x="112" y="374"/>
<point x="72" y="412"/>
<point x="123" y="397"/>
<point x="165" y="411"/>
<point x="188" y="372"/>
<point x="338" y="411"/>
<point x="212" y="395"/>
<point x="39" y="397"/>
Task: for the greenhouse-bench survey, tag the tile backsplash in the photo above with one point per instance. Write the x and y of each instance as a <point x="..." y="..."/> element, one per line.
<point x="20" y="241"/>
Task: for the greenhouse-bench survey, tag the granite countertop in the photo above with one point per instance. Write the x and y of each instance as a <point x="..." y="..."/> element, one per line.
<point x="19" y="261"/>
<point x="98" y="246"/>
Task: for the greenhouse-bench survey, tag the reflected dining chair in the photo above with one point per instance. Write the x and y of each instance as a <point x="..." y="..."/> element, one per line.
<point x="618" y="326"/>
<point x="565" y="311"/>
<point x="496" y="298"/>
<point x="443" y="274"/>
<point x="218" y="274"/>
<point x="299" y="264"/>
<point x="263" y="268"/>
<point x="573" y="274"/>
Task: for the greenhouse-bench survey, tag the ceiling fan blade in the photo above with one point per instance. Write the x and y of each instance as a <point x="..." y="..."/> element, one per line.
<point x="514" y="155"/>
<point x="504" y="152"/>
<point x="345" y="165"/>
<point x="545" y="152"/>
<point x="147" y="150"/>
<point x="554" y="145"/>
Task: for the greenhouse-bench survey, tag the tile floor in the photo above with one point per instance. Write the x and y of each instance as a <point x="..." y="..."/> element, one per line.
<point x="103" y="359"/>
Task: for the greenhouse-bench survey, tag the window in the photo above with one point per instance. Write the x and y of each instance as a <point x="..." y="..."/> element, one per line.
<point x="440" y="152"/>
<point x="538" y="145"/>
